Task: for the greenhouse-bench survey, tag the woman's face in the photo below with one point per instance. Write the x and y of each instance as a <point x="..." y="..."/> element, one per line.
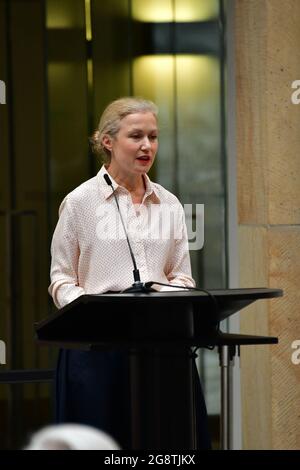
<point x="134" y="147"/>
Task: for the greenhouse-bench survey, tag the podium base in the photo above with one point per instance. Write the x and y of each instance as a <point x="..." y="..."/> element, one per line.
<point x="138" y="287"/>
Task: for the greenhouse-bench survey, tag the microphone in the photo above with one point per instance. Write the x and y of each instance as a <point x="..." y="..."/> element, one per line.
<point x="137" y="286"/>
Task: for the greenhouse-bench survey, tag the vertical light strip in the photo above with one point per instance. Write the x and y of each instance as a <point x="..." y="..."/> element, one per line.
<point x="176" y="185"/>
<point x="88" y="23"/>
<point x="88" y="36"/>
<point x="90" y="73"/>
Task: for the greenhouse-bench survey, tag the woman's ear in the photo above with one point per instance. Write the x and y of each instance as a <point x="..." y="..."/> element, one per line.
<point x="107" y="142"/>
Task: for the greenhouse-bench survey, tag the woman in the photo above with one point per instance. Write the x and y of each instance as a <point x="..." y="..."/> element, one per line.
<point x="90" y="256"/>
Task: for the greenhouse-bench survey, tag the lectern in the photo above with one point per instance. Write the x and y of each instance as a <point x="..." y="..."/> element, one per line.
<point x="159" y="330"/>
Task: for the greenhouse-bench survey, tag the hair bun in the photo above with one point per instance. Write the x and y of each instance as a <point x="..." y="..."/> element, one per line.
<point x="96" y="135"/>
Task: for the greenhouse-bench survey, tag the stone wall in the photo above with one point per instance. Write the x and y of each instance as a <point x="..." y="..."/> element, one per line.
<point x="267" y="52"/>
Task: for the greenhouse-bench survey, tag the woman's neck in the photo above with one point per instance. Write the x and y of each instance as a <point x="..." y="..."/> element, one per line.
<point x="133" y="183"/>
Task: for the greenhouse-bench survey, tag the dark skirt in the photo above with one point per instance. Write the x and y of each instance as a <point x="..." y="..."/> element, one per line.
<point x="93" y="388"/>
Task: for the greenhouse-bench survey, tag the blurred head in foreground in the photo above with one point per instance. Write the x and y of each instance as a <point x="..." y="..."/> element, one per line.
<point x="71" y="437"/>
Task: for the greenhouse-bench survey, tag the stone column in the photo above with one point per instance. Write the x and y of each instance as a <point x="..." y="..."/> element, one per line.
<point x="267" y="48"/>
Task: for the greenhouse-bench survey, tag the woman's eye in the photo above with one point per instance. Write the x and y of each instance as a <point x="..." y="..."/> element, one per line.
<point x="153" y="137"/>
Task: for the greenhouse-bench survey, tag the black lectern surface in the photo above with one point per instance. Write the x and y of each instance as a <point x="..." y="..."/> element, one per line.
<point x="160" y="317"/>
<point x="158" y="329"/>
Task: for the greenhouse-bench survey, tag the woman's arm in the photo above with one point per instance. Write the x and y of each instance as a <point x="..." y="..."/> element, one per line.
<point x="65" y="252"/>
<point x="179" y="263"/>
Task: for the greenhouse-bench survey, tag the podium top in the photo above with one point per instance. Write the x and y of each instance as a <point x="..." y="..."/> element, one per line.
<point x="228" y="301"/>
<point x="246" y="293"/>
<point x="119" y="317"/>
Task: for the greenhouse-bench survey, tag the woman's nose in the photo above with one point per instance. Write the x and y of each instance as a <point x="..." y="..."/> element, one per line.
<point x="146" y="143"/>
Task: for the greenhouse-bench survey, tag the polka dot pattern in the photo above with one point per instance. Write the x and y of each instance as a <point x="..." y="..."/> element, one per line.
<point x="89" y="250"/>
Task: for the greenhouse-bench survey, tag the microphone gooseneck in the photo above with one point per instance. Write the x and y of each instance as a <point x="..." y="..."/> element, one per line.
<point x="137" y="286"/>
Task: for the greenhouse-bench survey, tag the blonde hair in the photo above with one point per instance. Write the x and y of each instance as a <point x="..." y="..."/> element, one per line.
<point x="110" y="121"/>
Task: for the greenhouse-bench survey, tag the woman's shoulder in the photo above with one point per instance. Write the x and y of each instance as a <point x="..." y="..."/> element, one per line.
<point x="80" y="196"/>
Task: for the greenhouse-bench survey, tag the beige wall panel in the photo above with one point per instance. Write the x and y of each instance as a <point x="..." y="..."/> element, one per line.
<point x="283" y="134"/>
<point x="284" y="246"/>
<point x="255" y="360"/>
<point x="268" y="61"/>
<point x="253" y="256"/>
<point x="267" y="37"/>
<point x="251" y="56"/>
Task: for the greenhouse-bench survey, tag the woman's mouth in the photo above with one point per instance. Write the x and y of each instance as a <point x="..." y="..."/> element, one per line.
<point x="144" y="159"/>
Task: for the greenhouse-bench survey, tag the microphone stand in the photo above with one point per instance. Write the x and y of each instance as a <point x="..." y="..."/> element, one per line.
<point x="138" y="286"/>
